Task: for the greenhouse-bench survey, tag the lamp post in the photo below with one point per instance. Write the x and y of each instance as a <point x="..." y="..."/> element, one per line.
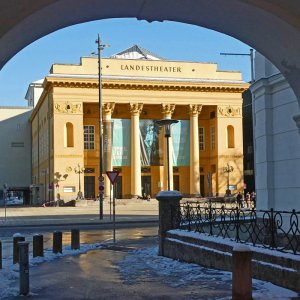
<point x="45" y="182"/>
<point x="166" y="123"/>
<point x="101" y="187"/>
<point x="78" y="170"/>
<point x="228" y="169"/>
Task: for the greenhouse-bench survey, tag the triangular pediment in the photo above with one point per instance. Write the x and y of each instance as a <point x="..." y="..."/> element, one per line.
<point x="136" y="52"/>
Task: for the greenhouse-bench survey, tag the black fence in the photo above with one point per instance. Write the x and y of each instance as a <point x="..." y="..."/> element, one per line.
<point x="270" y="229"/>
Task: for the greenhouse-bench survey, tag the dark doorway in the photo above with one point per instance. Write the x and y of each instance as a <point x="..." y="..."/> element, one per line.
<point x="89" y="187"/>
<point x="176" y="182"/>
<point x="146" y="185"/>
<point x="118" y="188"/>
<point x="202" y="185"/>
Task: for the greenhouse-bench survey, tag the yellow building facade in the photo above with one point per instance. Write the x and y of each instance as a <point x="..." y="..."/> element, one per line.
<point x="135" y="92"/>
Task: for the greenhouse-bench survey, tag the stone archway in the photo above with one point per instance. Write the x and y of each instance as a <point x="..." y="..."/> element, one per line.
<point x="270" y="26"/>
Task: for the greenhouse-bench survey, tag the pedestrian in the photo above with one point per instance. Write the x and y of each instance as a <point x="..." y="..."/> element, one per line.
<point x="253" y="198"/>
<point x="248" y="200"/>
<point x="239" y="199"/>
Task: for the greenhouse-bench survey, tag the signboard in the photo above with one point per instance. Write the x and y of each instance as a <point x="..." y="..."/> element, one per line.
<point x="181" y="143"/>
<point x="121" y="142"/>
<point x="112" y="176"/>
<point x="232" y="187"/>
<point x="149" y="134"/>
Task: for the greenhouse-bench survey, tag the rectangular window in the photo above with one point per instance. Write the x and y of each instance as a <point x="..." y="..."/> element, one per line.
<point x="201" y="139"/>
<point x="89" y="137"/>
<point x="212" y="138"/>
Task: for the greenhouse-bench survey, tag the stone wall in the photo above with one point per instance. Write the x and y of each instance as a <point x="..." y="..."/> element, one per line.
<point x="280" y="269"/>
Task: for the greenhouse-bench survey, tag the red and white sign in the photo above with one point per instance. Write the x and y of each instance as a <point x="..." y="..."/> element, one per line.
<point x="112" y="176"/>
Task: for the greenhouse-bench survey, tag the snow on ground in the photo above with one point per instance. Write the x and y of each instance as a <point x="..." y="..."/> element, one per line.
<point x="10" y="272"/>
<point x="146" y="264"/>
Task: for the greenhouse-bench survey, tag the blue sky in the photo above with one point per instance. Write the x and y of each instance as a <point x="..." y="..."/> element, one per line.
<point x="170" y="40"/>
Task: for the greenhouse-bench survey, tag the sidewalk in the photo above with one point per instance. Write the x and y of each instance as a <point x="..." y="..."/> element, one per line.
<point x="86" y="212"/>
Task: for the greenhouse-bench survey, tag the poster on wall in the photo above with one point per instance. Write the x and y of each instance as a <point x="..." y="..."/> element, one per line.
<point x="181" y="143"/>
<point x="121" y="142"/>
<point x="149" y="141"/>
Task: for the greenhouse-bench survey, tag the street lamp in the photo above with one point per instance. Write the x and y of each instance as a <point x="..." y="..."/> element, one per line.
<point x="251" y="60"/>
<point x="78" y="170"/>
<point x="101" y="187"/>
<point x="166" y="123"/>
<point x="227" y="170"/>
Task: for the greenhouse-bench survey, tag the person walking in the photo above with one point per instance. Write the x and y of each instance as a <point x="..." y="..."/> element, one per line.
<point x="253" y="198"/>
<point x="239" y="199"/>
<point x="248" y="200"/>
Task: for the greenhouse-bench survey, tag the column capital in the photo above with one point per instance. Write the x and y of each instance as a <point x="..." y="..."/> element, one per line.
<point x="108" y="108"/>
<point x="136" y="108"/>
<point x="167" y="109"/>
<point x="195" y="109"/>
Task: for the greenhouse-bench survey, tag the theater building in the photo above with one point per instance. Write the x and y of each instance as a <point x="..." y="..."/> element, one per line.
<point x="138" y="88"/>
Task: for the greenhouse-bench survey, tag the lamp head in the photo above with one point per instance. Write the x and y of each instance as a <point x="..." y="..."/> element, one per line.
<point x="166" y="123"/>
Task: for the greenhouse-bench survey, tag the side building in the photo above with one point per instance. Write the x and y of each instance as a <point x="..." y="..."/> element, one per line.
<point x="15" y="149"/>
<point x="137" y="90"/>
<point x="276" y="138"/>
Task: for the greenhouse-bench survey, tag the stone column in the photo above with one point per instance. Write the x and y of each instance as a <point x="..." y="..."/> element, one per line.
<point x="169" y="208"/>
<point x="107" y="109"/>
<point x="167" y="111"/>
<point x="194" y="111"/>
<point x="136" y="182"/>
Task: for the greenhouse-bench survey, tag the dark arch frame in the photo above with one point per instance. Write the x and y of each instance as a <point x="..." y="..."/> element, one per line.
<point x="270" y="26"/>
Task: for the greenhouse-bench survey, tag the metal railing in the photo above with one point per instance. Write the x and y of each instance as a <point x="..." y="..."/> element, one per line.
<point x="270" y="229"/>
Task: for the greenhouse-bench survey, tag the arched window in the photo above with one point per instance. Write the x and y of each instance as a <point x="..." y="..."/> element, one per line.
<point x="230" y="136"/>
<point x="69" y="135"/>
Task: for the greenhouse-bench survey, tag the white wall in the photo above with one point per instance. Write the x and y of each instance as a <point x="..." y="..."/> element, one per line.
<point x="15" y="161"/>
<point x="276" y="139"/>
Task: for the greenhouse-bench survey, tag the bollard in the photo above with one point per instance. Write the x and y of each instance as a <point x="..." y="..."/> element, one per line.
<point x="241" y="273"/>
<point x="24" y="267"/>
<point x="57" y="242"/>
<point x="0" y="255"/>
<point x="38" y="245"/>
<point x="75" y="239"/>
<point x="17" y="237"/>
<point x="169" y="209"/>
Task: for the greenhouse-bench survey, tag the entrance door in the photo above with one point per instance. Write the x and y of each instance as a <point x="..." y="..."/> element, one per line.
<point x="89" y="187"/>
<point x="146" y="185"/>
<point x="202" y="185"/>
<point x="176" y="182"/>
<point x="118" y="187"/>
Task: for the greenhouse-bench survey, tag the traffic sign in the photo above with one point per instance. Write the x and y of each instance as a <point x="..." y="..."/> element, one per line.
<point x="101" y="178"/>
<point x="112" y="176"/>
<point x="101" y="188"/>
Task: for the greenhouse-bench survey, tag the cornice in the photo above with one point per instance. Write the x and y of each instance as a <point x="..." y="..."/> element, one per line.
<point x="216" y="88"/>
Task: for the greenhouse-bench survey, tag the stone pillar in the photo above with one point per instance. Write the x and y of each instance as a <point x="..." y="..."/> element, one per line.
<point x="136" y="182"/>
<point x="107" y="109"/>
<point x="241" y="273"/>
<point x="194" y="111"/>
<point x="167" y="111"/>
<point x="169" y="208"/>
